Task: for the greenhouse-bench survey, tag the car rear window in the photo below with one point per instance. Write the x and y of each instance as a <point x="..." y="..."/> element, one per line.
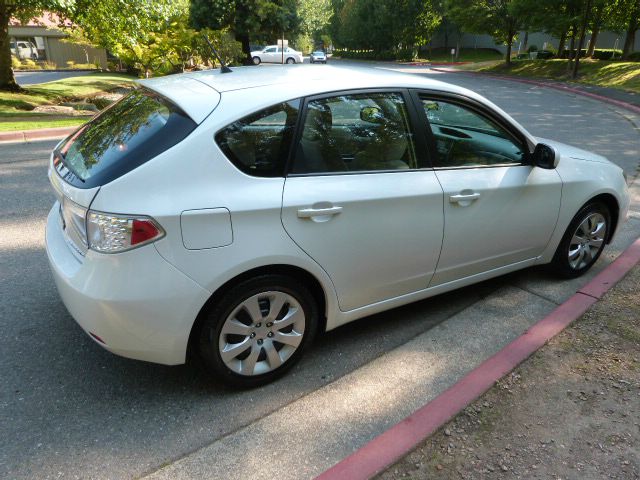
<point x="131" y="132"/>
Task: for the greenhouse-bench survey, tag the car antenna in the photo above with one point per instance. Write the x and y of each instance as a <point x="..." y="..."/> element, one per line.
<point x="223" y="66"/>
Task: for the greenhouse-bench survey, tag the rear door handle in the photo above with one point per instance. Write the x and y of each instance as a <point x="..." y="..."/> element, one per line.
<point x="464" y="199"/>
<point x="318" y="212"/>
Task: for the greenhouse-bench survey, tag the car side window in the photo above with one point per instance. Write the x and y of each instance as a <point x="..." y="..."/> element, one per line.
<point x="359" y="132"/>
<point x="259" y="144"/>
<point x="271" y="50"/>
<point x="465" y="138"/>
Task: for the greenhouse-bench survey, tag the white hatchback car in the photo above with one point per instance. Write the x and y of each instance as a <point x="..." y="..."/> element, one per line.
<point x="274" y="54"/>
<point x="235" y="215"/>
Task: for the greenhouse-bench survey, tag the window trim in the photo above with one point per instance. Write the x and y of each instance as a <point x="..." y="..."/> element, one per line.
<point x="476" y="107"/>
<point x="420" y="145"/>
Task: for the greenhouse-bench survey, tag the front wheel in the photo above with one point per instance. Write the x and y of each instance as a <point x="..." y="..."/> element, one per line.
<point x="290" y="60"/>
<point x="258" y="331"/>
<point x="583" y="241"/>
<point x="256" y="60"/>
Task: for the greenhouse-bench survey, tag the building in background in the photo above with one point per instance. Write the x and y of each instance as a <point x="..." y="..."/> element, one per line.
<point x="41" y="40"/>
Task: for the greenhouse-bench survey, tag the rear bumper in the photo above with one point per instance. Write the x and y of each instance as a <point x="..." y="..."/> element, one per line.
<point x="139" y="305"/>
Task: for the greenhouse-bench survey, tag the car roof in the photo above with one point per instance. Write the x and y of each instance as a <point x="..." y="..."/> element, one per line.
<point x="290" y="81"/>
<point x="329" y="78"/>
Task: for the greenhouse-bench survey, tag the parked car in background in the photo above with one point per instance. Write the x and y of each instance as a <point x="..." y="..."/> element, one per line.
<point x="274" y="54"/>
<point x="24" y="50"/>
<point x="236" y="215"/>
<point x="318" y="57"/>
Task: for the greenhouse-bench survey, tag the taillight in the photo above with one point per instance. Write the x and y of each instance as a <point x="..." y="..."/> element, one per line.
<point x="109" y="233"/>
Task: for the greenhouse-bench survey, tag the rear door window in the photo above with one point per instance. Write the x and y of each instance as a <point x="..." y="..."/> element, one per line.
<point x="131" y="132"/>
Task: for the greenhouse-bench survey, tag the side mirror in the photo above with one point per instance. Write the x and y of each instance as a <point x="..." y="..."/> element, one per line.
<point x="371" y="115"/>
<point x="545" y="156"/>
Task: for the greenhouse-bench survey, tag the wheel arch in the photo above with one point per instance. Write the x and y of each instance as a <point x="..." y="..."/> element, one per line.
<point x="300" y="274"/>
<point x="611" y="203"/>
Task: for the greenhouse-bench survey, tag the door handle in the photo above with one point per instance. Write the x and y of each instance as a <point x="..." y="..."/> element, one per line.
<point x="318" y="212"/>
<point x="464" y="199"/>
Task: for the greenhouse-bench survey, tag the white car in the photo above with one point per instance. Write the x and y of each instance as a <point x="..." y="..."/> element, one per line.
<point x="274" y="54"/>
<point x="318" y="56"/>
<point x="236" y="215"/>
<point x="24" y="50"/>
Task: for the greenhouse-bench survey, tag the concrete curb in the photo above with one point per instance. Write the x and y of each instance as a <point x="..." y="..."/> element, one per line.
<point x="33" y="135"/>
<point x="560" y="87"/>
<point x="399" y="440"/>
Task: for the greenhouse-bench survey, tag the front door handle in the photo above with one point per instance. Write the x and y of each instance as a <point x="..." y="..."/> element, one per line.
<point x="318" y="212"/>
<point x="464" y="199"/>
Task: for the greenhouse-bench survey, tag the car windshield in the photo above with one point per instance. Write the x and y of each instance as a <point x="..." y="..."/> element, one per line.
<point x="318" y="53"/>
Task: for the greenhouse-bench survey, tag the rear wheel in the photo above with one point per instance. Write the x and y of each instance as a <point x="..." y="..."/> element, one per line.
<point x="583" y="241"/>
<point x="258" y="331"/>
<point x="256" y="60"/>
<point x="290" y="60"/>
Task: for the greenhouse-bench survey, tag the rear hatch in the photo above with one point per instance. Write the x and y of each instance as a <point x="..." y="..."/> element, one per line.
<point x="123" y="137"/>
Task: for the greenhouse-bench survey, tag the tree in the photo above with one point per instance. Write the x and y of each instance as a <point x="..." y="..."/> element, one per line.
<point x="22" y="10"/>
<point x="501" y="19"/>
<point x="246" y="18"/>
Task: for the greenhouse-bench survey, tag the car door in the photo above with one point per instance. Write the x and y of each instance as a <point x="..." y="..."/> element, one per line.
<point x="269" y="55"/>
<point x="498" y="209"/>
<point x="372" y="220"/>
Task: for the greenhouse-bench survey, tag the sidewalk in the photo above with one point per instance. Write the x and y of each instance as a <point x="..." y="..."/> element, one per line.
<point x="571" y="410"/>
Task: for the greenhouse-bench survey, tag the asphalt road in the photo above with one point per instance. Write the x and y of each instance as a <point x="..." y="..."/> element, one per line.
<point x="33" y="78"/>
<point x="69" y="409"/>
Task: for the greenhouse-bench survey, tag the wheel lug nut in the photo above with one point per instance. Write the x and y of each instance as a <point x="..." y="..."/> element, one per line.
<point x="270" y="324"/>
<point x="258" y="325"/>
<point x="260" y="342"/>
<point x="253" y="334"/>
<point x="270" y="334"/>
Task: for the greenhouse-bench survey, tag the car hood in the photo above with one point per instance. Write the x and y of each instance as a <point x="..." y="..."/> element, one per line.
<point x="565" y="150"/>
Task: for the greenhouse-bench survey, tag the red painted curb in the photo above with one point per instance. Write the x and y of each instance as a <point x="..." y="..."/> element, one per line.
<point x="390" y="446"/>
<point x="562" y="88"/>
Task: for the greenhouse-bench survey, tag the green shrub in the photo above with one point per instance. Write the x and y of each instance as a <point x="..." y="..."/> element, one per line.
<point x="15" y="63"/>
<point x="634" y="57"/>
<point x="29" y="64"/>
<point x="48" y="65"/>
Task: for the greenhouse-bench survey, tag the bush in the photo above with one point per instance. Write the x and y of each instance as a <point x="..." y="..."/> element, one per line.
<point x="634" y="57"/>
<point x="598" y="54"/>
<point x="48" y="65"/>
<point x="545" y="54"/>
<point x="29" y="64"/>
<point x="15" y="63"/>
<point x="405" y="54"/>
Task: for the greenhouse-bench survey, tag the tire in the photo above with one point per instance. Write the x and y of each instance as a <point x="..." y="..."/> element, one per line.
<point x="291" y="60"/>
<point x="583" y="241"/>
<point x="256" y="60"/>
<point x="238" y="341"/>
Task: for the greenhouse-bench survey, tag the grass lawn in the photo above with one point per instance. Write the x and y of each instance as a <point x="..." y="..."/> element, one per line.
<point x="16" y="107"/>
<point x="624" y="75"/>
<point x="10" y="126"/>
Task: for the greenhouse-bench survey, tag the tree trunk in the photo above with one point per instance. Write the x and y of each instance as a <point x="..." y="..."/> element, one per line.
<point x="525" y="41"/>
<point x="572" y="48"/>
<point x="630" y="39"/>
<point x="7" y="80"/>
<point x="243" y="38"/>
<point x="594" y="39"/>
<point x="562" y="43"/>
<point x="509" y="45"/>
<point x="583" y="28"/>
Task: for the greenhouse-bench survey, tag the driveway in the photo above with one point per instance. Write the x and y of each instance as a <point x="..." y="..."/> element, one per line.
<point x="33" y="78"/>
<point x="69" y="409"/>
